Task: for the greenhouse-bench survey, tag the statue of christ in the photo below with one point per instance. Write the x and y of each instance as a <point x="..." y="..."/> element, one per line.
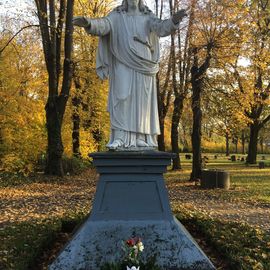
<point x="128" y="54"/>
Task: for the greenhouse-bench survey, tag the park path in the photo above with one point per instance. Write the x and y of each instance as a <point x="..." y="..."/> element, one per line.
<point x="212" y="203"/>
<point x="51" y="197"/>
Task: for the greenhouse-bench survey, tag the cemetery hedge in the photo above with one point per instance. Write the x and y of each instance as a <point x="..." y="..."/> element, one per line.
<point x="241" y="246"/>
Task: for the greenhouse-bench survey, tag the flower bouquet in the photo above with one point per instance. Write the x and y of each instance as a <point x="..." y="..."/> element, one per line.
<point x="132" y="248"/>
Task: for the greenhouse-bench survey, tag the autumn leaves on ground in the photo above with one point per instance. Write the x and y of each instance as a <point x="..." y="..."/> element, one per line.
<point x="231" y="226"/>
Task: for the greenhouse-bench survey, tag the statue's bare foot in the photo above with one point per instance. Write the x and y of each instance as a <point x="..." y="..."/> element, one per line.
<point x="141" y="143"/>
<point x="115" y="144"/>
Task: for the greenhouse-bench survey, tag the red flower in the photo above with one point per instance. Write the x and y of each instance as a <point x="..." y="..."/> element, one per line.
<point x="131" y="242"/>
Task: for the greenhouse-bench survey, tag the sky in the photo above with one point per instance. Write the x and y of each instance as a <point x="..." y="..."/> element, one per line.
<point x="20" y="12"/>
<point x="13" y="6"/>
<point x="16" y="6"/>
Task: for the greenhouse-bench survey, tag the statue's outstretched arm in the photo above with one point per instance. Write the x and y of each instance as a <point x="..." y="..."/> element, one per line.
<point x="80" y="21"/>
<point x="178" y="16"/>
<point x="164" y="28"/>
<point x="96" y="27"/>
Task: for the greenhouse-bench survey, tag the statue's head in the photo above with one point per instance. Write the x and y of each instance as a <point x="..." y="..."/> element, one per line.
<point x="142" y="7"/>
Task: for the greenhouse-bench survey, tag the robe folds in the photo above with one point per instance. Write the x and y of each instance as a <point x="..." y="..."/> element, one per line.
<point x="128" y="54"/>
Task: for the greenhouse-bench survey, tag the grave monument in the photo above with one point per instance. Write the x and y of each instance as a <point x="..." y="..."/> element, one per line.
<point x="131" y="198"/>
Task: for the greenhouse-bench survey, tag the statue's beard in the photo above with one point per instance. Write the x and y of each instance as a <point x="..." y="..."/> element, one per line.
<point x="133" y="5"/>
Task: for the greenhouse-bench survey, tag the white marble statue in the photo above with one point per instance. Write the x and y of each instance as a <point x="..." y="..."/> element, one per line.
<point x="128" y="54"/>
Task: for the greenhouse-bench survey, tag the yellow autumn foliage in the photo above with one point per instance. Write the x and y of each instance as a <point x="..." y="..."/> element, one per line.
<point x="24" y="89"/>
<point x="23" y="94"/>
<point x="23" y="133"/>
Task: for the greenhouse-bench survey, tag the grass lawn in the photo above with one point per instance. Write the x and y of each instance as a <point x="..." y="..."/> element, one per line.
<point x="34" y="212"/>
<point x="243" y="246"/>
<point x="247" y="182"/>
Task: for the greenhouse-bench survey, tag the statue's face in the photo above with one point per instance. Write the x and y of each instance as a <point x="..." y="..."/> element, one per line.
<point x="133" y="3"/>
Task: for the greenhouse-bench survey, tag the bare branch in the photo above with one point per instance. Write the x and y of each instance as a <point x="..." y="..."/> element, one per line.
<point x="59" y="28"/>
<point x="44" y="28"/>
<point x="16" y="34"/>
<point x="68" y="66"/>
<point x="267" y="119"/>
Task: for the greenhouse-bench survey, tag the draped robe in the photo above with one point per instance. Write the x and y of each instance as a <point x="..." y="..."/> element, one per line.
<point x="128" y="53"/>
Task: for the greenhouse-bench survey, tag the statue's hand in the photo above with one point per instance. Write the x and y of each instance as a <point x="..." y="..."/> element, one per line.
<point x="80" y="21"/>
<point x="178" y="16"/>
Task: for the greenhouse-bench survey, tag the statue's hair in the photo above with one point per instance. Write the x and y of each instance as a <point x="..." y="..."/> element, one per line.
<point x="142" y="7"/>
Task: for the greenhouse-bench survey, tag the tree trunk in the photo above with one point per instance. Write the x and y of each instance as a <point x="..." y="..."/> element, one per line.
<point x="164" y="100"/>
<point x="236" y="145"/>
<point x="162" y="107"/>
<point x="76" y="102"/>
<point x="253" y="142"/>
<point x="261" y="144"/>
<point x="161" y="139"/>
<point x="177" y="112"/>
<point x="1" y="143"/>
<point x="197" y="78"/>
<point x="55" y="148"/>
<point x="243" y="141"/>
<point x="227" y="144"/>
<point x="76" y="127"/>
<point x="177" y="108"/>
<point x="196" y="131"/>
<point x="185" y="142"/>
<point x="51" y="33"/>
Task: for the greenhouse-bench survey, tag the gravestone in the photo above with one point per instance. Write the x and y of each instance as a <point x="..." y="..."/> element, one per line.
<point x="215" y="179"/>
<point x="131" y="200"/>
<point x="261" y="164"/>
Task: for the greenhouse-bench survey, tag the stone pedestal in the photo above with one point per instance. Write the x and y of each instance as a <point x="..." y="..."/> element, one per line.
<point x="131" y="200"/>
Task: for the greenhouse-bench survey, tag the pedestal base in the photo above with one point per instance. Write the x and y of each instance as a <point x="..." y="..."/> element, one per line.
<point x="131" y="200"/>
<point x="99" y="242"/>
